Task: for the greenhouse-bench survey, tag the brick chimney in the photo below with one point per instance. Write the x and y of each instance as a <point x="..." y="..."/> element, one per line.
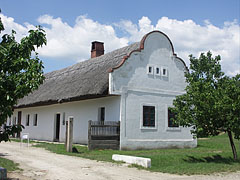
<point x="97" y="49"/>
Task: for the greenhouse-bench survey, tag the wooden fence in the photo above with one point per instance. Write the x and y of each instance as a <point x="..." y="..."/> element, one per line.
<point x="103" y="135"/>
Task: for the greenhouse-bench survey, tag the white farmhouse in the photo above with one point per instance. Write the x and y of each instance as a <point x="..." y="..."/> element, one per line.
<point x="134" y="85"/>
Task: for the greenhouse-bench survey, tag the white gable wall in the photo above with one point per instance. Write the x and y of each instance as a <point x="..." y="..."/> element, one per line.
<point x="138" y="88"/>
<point x="82" y="111"/>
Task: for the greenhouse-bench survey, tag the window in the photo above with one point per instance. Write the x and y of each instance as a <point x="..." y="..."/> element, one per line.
<point x="149" y="69"/>
<point x="63" y="122"/>
<point x="171" y="116"/>
<point x="14" y="120"/>
<point x="164" y="71"/>
<point x="27" y="119"/>
<point x="149" y="116"/>
<point x="157" y="71"/>
<point x="101" y="114"/>
<point x="35" y="120"/>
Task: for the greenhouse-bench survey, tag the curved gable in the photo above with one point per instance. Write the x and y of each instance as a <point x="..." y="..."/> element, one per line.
<point x="153" y="36"/>
<point x="156" y="37"/>
<point x="155" y="52"/>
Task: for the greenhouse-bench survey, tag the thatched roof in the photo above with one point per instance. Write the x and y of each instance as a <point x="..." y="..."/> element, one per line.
<point x="85" y="80"/>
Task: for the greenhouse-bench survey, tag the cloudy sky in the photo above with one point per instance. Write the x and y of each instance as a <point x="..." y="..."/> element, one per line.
<point x="193" y="26"/>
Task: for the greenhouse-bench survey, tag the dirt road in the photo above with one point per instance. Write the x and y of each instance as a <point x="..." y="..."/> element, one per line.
<point x="39" y="164"/>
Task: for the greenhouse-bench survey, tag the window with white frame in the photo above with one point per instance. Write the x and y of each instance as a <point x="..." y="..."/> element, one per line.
<point x="27" y="119"/>
<point x="164" y="71"/>
<point x="157" y="71"/>
<point x="148" y="116"/>
<point x="150" y="69"/>
<point x="35" y="120"/>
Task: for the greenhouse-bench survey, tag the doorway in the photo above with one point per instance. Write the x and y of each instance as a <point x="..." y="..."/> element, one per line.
<point x="57" y="127"/>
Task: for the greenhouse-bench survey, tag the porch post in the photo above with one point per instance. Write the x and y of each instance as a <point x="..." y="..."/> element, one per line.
<point x="70" y="134"/>
<point x="89" y="135"/>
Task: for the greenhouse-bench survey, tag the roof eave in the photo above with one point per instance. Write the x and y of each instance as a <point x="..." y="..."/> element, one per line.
<point x="61" y="101"/>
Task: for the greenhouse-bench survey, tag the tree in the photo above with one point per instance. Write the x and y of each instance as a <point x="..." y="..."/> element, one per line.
<point x="21" y="72"/>
<point x="212" y="100"/>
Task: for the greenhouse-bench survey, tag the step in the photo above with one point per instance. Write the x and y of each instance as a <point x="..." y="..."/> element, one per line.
<point x="145" y="162"/>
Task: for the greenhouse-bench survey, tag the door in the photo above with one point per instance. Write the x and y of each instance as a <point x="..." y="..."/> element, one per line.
<point x="57" y="128"/>
<point x="19" y="121"/>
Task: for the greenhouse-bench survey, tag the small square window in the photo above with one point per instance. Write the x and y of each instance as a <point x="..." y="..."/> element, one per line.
<point x="164" y="71"/>
<point x="157" y="71"/>
<point x="149" y="69"/>
<point x="27" y="119"/>
<point x="35" y="120"/>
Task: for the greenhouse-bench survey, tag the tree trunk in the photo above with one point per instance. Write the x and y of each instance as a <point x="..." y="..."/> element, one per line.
<point x="232" y="145"/>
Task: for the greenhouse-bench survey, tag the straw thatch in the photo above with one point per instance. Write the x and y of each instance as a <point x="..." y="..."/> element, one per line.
<point x="85" y="80"/>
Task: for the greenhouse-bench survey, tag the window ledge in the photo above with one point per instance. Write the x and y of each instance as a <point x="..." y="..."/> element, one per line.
<point x="177" y="129"/>
<point x="148" y="128"/>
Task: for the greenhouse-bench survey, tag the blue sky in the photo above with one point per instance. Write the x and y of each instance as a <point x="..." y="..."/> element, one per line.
<point x="106" y="11"/>
<point x="194" y="26"/>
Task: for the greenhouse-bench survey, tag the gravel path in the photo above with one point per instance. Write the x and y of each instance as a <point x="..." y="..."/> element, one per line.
<point x="38" y="163"/>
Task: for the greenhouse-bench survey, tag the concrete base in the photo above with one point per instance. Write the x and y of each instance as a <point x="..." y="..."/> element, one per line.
<point x="3" y="173"/>
<point x="145" y="162"/>
<point x="139" y="144"/>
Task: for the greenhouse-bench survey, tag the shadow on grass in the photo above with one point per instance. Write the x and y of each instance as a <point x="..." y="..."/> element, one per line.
<point x="75" y="150"/>
<point x="211" y="159"/>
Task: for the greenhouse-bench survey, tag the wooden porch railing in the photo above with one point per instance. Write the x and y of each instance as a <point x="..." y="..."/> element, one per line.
<point x="103" y="135"/>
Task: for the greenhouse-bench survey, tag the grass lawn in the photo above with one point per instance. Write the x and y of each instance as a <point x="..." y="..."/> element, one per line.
<point x="212" y="155"/>
<point x="8" y="164"/>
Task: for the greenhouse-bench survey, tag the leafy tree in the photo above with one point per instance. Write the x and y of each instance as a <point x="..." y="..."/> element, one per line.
<point x="21" y="72"/>
<point x="212" y="100"/>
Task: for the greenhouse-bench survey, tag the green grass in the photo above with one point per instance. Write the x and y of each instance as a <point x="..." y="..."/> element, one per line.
<point x="24" y="141"/>
<point x="212" y="155"/>
<point x="8" y="164"/>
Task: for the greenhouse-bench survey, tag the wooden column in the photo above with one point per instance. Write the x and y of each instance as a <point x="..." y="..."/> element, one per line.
<point x="89" y="135"/>
<point x="69" y="134"/>
<point x="66" y="132"/>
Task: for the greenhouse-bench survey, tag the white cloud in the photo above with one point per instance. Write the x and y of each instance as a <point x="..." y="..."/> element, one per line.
<point x="10" y="25"/>
<point x="135" y="32"/>
<point x="67" y="42"/>
<point x="191" y="38"/>
<point x="74" y="42"/>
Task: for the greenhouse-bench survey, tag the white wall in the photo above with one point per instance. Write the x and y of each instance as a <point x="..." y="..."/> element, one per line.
<point x="135" y="136"/>
<point x="82" y="111"/>
<point x="138" y="88"/>
<point x="158" y="53"/>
